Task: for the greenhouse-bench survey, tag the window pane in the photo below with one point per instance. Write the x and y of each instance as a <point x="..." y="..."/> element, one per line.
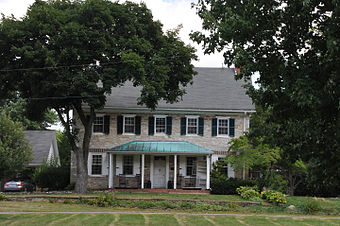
<point x="223" y="127"/>
<point x="127" y="164"/>
<point x="129" y="125"/>
<point x="191" y="166"/>
<point x="98" y="124"/>
<point x="160" y="125"/>
<point x="192" y="125"/>
<point x="96" y="164"/>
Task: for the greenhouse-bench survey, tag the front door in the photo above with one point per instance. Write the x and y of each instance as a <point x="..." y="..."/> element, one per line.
<point x="159" y="172"/>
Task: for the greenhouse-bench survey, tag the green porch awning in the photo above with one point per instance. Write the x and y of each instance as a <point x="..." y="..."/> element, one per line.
<point x="161" y="147"/>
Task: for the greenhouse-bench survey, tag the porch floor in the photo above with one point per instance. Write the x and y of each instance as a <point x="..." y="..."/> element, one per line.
<point x="161" y="190"/>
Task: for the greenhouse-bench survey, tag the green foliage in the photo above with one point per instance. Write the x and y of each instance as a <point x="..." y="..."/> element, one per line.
<point x="227" y="186"/>
<point x="15" y="152"/>
<point x="68" y="201"/>
<point x="248" y="193"/>
<point x="52" y="200"/>
<point x="295" y="55"/>
<point x="311" y="206"/>
<point x="2" y="197"/>
<point x="64" y="149"/>
<point x="51" y="176"/>
<point x="274" y="197"/>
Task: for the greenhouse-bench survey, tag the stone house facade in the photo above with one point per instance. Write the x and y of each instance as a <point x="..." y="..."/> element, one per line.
<point x="173" y="146"/>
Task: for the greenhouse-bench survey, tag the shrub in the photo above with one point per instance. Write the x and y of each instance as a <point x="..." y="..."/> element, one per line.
<point x="105" y="199"/>
<point x="248" y="192"/>
<point x="82" y="200"/>
<point x="311" y="206"/>
<point x="52" y="177"/>
<point x="227" y="186"/>
<point x="275" y="197"/>
<point x="68" y="201"/>
<point x="2" y="197"/>
<point x="52" y="200"/>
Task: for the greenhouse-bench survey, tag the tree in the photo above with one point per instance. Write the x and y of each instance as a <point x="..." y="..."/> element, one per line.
<point x="68" y="54"/>
<point x="295" y="48"/>
<point x="15" y="152"/>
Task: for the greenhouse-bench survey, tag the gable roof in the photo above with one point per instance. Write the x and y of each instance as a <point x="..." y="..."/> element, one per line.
<point x="161" y="147"/>
<point x="213" y="89"/>
<point x="41" y="142"/>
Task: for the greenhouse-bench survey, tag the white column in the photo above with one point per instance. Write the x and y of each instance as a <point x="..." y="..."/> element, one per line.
<point x="208" y="172"/>
<point x="110" y="171"/>
<point x="175" y="171"/>
<point x="142" y="180"/>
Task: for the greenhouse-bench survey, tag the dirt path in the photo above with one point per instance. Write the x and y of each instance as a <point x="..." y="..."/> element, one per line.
<point x="200" y="214"/>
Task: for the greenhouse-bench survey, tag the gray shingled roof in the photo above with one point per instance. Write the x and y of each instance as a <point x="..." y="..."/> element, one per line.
<point x="40" y="142"/>
<point x="212" y="89"/>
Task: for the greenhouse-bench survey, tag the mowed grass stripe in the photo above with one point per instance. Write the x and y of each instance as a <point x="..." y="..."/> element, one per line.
<point x="226" y="220"/>
<point x="163" y="220"/>
<point x="131" y="219"/>
<point x="196" y="220"/>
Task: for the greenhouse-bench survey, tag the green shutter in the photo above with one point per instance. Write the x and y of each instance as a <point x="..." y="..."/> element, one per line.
<point x="106" y="124"/>
<point x="214" y="127"/>
<point x="138" y="120"/>
<point x="231" y="127"/>
<point x="120" y="124"/>
<point x="201" y="126"/>
<point x="151" y="126"/>
<point x="183" y="126"/>
<point x="169" y="125"/>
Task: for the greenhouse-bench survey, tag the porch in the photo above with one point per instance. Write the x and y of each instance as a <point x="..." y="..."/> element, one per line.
<point x="159" y="165"/>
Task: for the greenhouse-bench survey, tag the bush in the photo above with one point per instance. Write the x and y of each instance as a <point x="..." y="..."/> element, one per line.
<point x="52" y="177"/>
<point x="68" y="201"/>
<point x="275" y="197"/>
<point x="227" y="186"/>
<point x="2" y="197"/>
<point x="248" y="192"/>
<point x="311" y="206"/>
<point x="52" y="200"/>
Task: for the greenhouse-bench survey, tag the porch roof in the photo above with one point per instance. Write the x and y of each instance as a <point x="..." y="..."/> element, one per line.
<point x="161" y="147"/>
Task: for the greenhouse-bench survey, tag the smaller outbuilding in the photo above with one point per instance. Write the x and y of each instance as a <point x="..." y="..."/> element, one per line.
<point x="44" y="146"/>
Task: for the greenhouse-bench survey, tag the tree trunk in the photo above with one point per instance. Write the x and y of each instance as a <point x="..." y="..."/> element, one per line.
<point x="81" y="182"/>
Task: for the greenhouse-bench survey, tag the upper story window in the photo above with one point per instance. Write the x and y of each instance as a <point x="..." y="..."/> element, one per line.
<point x="96" y="167"/>
<point x="223" y="126"/>
<point x="192" y="125"/>
<point x="98" y="124"/>
<point x="160" y="125"/>
<point x="101" y="124"/>
<point x="128" y="164"/>
<point x="128" y="124"/>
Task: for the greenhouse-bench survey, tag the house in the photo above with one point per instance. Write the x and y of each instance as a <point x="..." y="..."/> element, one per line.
<point x="44" y="146"/>
<point x="173" y="146"/>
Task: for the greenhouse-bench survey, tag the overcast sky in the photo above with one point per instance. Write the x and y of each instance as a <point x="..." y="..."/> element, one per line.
<point x="170" y="12"/>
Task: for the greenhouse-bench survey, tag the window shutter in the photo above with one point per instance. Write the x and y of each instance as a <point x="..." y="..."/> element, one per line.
<point x="214" y="127"/>
<point x="120" y="124"/>
<point x="231" y="127"/>
<point x="151" y="125"/>
<point x="169" y="125"/>
<point x="183" y="126"/>
<point x="107" y="124"/>
<point x="201" y="126"/>
<point x="137" y="125"/>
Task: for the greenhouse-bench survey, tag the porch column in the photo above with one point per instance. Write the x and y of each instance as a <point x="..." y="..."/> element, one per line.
<point x="175" y="171"/>
<point x="110" y="171"/>
<point x="142" y="179"/>
<point x="208" y="172"/>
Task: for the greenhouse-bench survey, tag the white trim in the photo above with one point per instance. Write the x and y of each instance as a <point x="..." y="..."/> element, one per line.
<point x="175" y="171"/>
<point x="134" y="124"/>
<point x="217" y="126"/>
<point x="110" y="170"/>
<point x="142" y="174"/>
<point x="89" y="165"/>
<point x="98" y="116"/>
<point x="154" y="125"/>
<point x="197" y="124"/>
<point x="208" y="173"/>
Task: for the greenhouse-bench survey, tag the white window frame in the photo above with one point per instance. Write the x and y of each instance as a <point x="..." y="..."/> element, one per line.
<point x="90" y="165"/>
<point x="187" y="122"/>
<point x="159" y="116"/>
<point x="223" y="118"/>
<point x="134" y="130"/>
<point x="98" y="116"/>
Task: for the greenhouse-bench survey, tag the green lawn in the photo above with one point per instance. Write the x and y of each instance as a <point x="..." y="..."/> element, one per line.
<point x="164" y="220"/>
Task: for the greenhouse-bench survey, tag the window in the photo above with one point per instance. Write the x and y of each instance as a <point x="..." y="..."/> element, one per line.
<point x="222" y="126"/>
<point x="192" y="125"/>
<point x="160" y="124"/>
<point x="129" y="124"/>
<point x="191" y="166"/>
<point x="98" y="125"/>
<point x="96" y="168"/>
<point x="127" y="164"/>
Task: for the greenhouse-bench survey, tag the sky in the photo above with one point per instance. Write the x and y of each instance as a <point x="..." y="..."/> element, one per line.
<point x="170" y="13"/>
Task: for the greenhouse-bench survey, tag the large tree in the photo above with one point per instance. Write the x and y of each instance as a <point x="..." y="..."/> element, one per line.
<point x="295" y="46"/>
<point x="68" y="54"/>
<point x="15" y="152"/>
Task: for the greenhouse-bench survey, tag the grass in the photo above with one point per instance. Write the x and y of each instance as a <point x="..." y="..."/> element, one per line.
<point x="164" y="220"/>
